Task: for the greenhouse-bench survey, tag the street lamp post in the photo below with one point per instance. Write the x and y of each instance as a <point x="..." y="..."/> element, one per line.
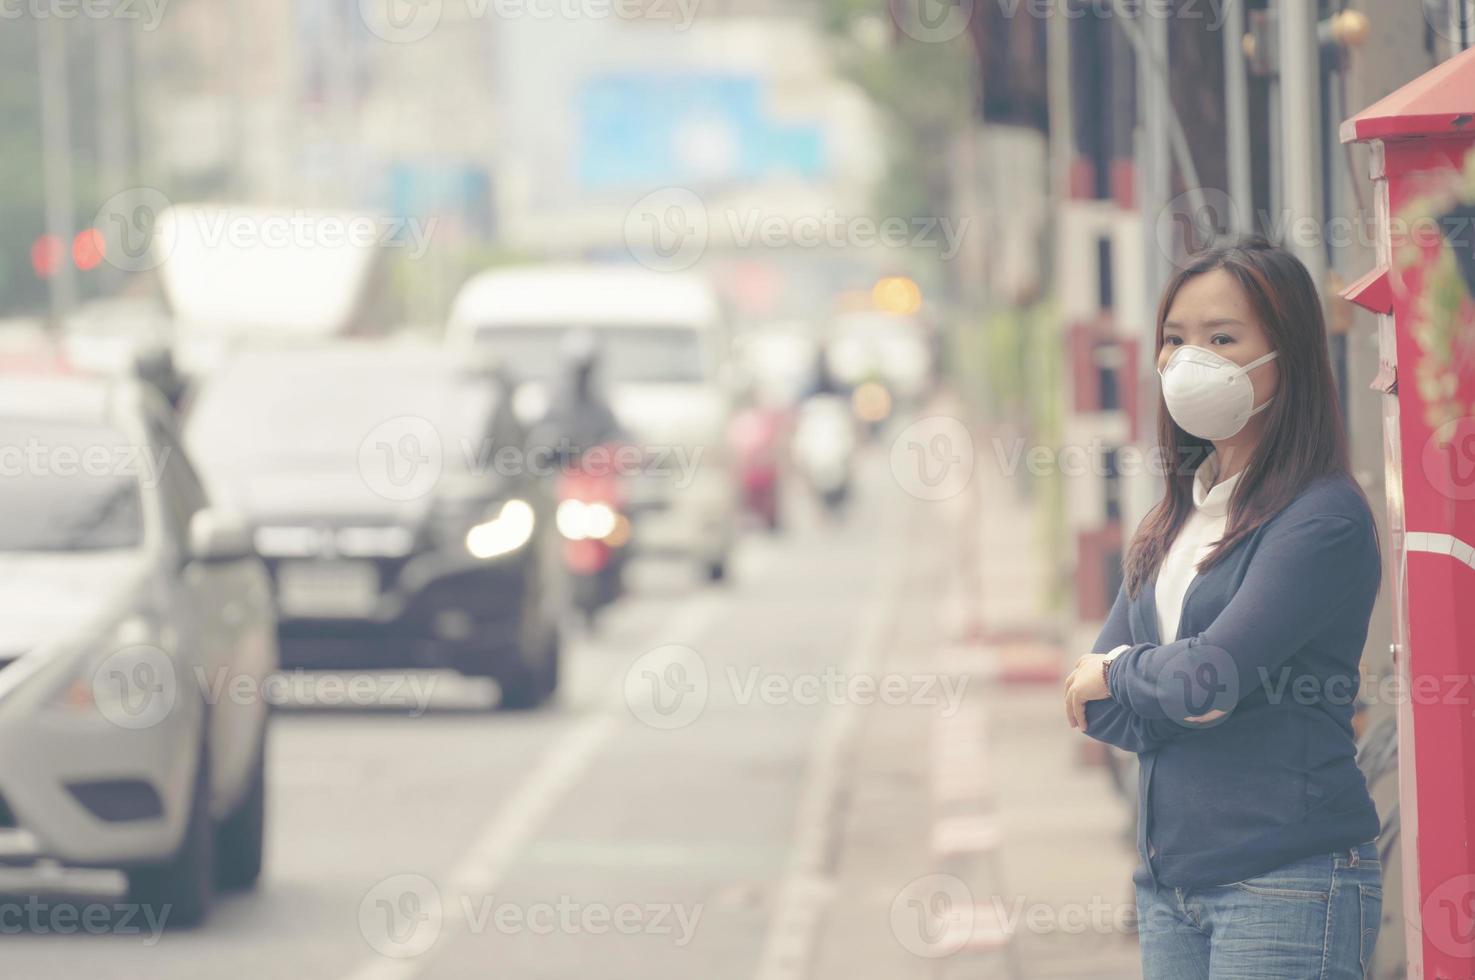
<point x="56" y="160"/>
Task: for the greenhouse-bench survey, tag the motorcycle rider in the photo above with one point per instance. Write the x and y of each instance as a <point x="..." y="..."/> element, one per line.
<point x="578" y="420"/>
<point x="578" y="417"/>
<point x="825" y="439"/>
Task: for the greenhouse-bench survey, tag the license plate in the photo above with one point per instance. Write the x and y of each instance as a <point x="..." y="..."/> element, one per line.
<point x="647" y="494"/>
<point x="327" y="588"/>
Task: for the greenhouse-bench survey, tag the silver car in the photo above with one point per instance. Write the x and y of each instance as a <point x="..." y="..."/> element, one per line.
<point x="136" y="631"/>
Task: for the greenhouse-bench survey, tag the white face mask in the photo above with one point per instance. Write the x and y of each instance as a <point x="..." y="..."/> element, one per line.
<point x="1209" y="395"/>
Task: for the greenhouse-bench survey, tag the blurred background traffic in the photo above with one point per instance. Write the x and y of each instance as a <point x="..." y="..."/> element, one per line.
<point x="567" y="486"/>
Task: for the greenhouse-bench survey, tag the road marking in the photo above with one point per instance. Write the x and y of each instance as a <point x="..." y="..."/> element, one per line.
<point x="807" y="884"/>
<point x="481" y="869"/>
<point x="966" y="834"/>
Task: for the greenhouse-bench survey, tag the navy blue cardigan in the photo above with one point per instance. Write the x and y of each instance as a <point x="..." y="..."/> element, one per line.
<point x="1272" y="635"/>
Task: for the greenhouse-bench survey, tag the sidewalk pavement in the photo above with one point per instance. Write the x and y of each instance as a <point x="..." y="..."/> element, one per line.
<point x="979" y="844"/>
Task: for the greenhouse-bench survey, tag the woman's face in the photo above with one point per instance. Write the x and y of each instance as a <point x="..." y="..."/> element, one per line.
<point x="1212" y="311"/>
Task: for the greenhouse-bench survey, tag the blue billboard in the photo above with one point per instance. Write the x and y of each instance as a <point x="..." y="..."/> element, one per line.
<point x="644" y="129"/>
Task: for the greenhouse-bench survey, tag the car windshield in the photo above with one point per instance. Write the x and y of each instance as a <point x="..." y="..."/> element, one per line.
<point x="69" y="487"/>
<point x="627" y="355"/>
<point x="288" y="412"/>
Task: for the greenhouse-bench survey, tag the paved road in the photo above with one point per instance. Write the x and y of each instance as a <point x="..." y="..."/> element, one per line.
<point x="660" y="820"/>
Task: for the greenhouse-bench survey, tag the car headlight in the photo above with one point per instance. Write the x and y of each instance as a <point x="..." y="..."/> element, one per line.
<point x="129" y="679"/>
<point x="579" y="521"/>
<point x="509" y="530"/>
<point x="871" y="402"/>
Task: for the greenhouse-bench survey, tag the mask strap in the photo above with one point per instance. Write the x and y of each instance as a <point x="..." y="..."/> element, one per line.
<point x="1250" y="367"/>
<point x="1258" y="361"/>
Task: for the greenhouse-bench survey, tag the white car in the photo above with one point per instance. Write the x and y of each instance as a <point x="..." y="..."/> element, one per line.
<point x="135" y="633"/>
<point x="661" y="338"/>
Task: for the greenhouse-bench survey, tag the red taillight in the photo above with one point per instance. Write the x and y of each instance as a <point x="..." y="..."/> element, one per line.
<point x="585" y="557"/>
<point x="89" y="249"/>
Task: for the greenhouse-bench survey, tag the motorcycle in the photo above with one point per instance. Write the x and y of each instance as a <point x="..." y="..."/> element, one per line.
<point x="592" y="520"/>
<point x="824" y="448"/>
<point x="757" y="437"/>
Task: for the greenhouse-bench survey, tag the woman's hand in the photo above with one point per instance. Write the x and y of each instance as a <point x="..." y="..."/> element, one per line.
<point x="1085" y="683"/>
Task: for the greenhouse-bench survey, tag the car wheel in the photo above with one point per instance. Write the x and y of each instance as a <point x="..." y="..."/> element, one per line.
<point x="240" y="843"/>
<point x="181" y="889"/>
<point x="527" y="685"/>
<point x="717" y="570"/>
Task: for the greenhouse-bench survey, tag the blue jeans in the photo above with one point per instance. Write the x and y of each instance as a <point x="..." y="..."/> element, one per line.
<point x="1313" y="919"/>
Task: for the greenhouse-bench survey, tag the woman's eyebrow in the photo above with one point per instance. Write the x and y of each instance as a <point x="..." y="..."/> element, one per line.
<point x="1222" y="321"/>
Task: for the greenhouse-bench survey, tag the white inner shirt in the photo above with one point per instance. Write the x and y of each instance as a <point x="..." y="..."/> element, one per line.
<point x="1203" y="528"/>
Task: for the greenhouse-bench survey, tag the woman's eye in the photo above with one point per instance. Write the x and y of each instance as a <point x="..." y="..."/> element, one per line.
<point x="1172" y="341"/>
<point x="1221" y="339"/>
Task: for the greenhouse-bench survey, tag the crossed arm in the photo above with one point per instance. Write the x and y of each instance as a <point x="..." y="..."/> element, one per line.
<point x="1104" y="718"/>
<point x="1300" y="580"/>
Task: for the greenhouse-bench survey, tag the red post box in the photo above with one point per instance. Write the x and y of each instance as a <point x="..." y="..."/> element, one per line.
<point x="1423" y="288"/>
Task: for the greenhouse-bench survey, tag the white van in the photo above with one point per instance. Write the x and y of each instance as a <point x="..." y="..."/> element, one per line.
<point x="662" y="340"/>
<point x="235" y="275"/>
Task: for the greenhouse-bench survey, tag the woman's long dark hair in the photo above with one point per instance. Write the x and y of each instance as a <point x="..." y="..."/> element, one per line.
<point x="1304" y="437"/>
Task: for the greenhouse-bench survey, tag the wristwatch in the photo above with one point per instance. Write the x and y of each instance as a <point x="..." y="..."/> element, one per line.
<point x="1106" y="664"/>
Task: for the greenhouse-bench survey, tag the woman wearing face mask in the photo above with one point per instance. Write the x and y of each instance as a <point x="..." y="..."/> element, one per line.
<point x="1229" y="661"/>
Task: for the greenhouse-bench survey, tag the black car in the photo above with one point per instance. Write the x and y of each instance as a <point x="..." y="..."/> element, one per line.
<point x="387" y="492"/>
